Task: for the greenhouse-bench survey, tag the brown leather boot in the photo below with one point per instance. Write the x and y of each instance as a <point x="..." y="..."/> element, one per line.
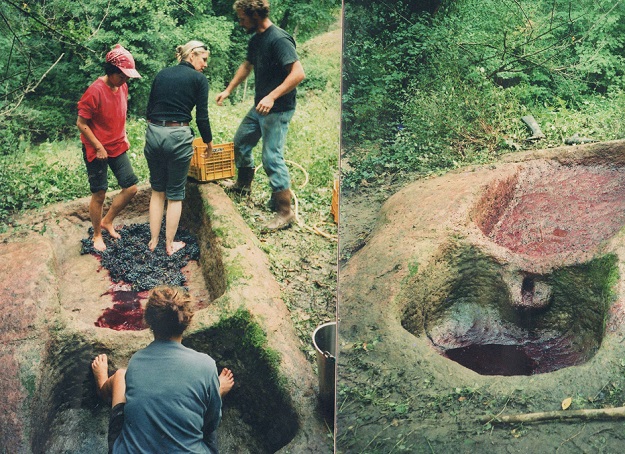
<point x="243" y="185"/>
<point x="284" y="215"/>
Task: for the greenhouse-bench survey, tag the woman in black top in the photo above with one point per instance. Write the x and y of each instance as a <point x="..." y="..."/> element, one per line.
<point x="168" y="144"/>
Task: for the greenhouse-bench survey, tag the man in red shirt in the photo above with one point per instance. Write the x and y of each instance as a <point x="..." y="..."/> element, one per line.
<point x="102" y="124"/>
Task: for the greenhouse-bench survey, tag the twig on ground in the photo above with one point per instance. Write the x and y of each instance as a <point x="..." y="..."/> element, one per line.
<point x="559" y="415"/>
<point x="571" y="437"/>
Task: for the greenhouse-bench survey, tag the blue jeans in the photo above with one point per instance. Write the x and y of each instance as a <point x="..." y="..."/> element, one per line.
<point x="272" y="128"/>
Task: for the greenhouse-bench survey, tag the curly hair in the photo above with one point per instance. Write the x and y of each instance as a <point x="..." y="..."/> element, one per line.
<point x="249" y="7"/>
<point x="168" y="311"/>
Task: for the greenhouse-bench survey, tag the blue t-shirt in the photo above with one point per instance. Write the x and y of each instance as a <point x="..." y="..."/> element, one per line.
<point x="172" y="401"/>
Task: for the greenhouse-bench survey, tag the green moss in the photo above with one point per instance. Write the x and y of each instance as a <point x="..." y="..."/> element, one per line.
<point x="220" y="232"/>
<point x="581" y="297"/>
<point x="235" y="271"/>
<point x="463" y="282"/>
<point x="254" y="338"/>
<point x="460" y="275"/>
<point x="30" y="363"/>
<point x="413" y="268"/>
<point x="208" y="209"/>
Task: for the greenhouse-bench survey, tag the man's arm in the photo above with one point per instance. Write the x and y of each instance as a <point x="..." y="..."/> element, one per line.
<point x="83" y="127"/>
<point x="244" y="70"/>
<point x="294" y="77"/>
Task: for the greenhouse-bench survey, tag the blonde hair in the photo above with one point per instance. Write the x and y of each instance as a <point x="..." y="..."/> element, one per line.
<point x="196" y="47"/>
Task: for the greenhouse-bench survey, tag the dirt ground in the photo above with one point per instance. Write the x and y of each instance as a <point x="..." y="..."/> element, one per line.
<point x="303" y="263"/>
<point x="396" y="393"/>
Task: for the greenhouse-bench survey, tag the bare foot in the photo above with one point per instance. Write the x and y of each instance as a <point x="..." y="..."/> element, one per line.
<point x="98" y="243"/>
<point x="111" y="230"/>
<point x="100" y="368"/>
<point x="175" y="247"/>
<point x="226" y="381"/>
<point x="152" y="244"/>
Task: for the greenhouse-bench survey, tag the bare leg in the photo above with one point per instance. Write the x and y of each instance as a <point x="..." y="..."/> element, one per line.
<point x="119" y="203"/>
<point x="226" y="381"/>
<point x="110" y="389"/>
<point x="95" y="213"/>
<point x="157" y="207"/>
<point x="174" y="210"/>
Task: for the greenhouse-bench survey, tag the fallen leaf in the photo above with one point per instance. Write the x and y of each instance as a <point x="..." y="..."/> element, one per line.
<point x="566" y="403"/>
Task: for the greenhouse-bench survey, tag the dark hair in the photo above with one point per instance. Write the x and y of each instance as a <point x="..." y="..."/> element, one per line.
<point x="168" y="311"/>
<point x="110" y="69"/>
<point x="249" y="7"/>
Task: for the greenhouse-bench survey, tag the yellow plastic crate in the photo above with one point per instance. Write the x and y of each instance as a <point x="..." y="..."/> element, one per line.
<point x="217" y="166"/>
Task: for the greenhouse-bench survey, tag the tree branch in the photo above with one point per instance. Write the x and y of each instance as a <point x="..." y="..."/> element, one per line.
<point x="558" y="415"/>
<point x="46" y="26"/>
<point x="28" y="89"/>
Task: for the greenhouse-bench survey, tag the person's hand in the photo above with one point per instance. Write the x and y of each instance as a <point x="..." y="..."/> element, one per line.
<point x="100" y="153"/>
<point x="209" y="150"/>
<point x="221" y="96"/>
<point x="265" y="105"/>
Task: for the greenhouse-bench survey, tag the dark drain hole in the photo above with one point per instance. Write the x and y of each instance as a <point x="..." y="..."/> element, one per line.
<point x="494" y="359"/>
<point x="527" y="291"/>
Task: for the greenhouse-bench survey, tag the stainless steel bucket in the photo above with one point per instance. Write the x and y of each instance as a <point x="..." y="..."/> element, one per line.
<point x="324" y="340"/>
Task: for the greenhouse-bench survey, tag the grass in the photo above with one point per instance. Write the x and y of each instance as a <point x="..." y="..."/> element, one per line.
<point x="440" y="135"/>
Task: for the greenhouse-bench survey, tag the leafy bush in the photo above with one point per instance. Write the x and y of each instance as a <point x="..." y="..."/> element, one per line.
<point x="55" y="50"/>
<point x="457" y="95"/>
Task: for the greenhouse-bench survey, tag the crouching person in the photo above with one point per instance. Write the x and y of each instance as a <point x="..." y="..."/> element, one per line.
<point x="169" y="397"/>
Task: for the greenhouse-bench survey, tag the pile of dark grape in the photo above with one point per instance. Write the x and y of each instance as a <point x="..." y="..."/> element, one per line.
<point x="129" y="260"/>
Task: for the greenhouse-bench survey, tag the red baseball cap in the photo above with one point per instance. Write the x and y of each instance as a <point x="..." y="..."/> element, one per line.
<point x="121" y="58"/>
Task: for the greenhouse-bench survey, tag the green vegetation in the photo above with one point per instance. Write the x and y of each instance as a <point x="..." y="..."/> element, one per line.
<point x="379" y="398"/>
<point x="250" y="336"/>
<point x="33" y="175"/>
<point x="593" y="283"/>
<point x="55" y="49"/>
<point x="235" y="272"/>
<point x="430" y="86"/>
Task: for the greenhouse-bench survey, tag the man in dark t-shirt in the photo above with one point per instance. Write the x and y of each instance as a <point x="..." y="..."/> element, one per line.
<point x="277" y="72"/>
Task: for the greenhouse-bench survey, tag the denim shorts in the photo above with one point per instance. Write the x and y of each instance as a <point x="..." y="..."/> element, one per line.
<point x="168" y="150"/>
<point x="97" y="172"/>
<point x="272" y="128"/>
